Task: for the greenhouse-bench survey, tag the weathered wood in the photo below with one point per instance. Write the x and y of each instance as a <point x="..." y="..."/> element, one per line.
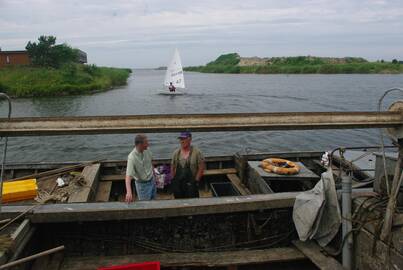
<point x="41" y="263"/>
<point x="123" y="124"/>
<point x="72" y="212"/>
<point x="121" y="177"/>
<point x="56" y="172"/>
<point x="256" y="184"/>
<point x="19" y="234"/>
<point x="375" y="215"/>
<point x="312" y="251"/>
<point x="241" y="163"/>
<point x="219" y="171"/>
<point x="372" y="254"/>
<point x="396" y="184"/>
<point x="30" y="258"/>
<point x="200" y="259"/>
<point x="91" y="177"/>
<point x="56" y="261"/>
<point x="238" y="185"/>
<point x="117" y="163"/>
<point x="104" y="191"/>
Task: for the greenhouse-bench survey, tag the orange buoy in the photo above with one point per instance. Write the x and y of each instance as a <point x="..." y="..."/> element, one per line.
<point x="279" y="166"/>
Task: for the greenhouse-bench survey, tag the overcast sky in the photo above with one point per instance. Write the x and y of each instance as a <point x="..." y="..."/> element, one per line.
<point x="131" y="33"/>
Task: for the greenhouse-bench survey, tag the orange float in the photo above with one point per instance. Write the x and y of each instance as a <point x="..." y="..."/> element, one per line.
<point x="280" y="166"/>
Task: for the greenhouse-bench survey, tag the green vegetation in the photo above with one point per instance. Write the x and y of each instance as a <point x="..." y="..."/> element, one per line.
<point x="70" y="79"/>
<point x="46" y="53"/>
<point x="230" y="63"/>
<point x="55" y="71"/>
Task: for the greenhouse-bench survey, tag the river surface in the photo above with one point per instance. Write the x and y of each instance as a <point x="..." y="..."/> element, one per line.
<point x="207" y="93"/>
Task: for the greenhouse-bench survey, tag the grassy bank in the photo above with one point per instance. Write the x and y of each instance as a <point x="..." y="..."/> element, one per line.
<point x="70" y="79"/>
<point x="229" y="63"/>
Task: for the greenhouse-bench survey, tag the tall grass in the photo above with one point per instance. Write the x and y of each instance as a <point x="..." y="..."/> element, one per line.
<point x="71" y="79"/>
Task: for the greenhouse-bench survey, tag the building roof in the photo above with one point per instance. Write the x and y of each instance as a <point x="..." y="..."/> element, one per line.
<point x="8" y="52"/>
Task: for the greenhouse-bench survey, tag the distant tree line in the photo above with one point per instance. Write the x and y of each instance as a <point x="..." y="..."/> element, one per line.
<point x="45" y="52"/>
<point x="229" y="63"/>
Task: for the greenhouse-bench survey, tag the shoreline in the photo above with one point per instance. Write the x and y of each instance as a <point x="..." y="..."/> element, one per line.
<point x="75" y="79"/>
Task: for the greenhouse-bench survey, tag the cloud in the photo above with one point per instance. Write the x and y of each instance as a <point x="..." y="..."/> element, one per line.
<point x="146" y="26"/>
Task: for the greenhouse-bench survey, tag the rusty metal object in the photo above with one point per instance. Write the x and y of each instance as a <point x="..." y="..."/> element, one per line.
<point x="198" y="122"/>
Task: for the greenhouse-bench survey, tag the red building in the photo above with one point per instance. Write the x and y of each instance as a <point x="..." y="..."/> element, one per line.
<point x="14" y="58"/>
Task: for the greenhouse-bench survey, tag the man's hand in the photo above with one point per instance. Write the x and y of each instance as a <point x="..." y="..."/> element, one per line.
<point x="129" y="197"/>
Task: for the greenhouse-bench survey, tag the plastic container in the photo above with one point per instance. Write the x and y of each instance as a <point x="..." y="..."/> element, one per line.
<point x="19" y="190"/>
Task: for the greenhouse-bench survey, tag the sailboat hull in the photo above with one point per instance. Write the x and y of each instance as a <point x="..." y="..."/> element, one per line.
<point x="167" y="93"/>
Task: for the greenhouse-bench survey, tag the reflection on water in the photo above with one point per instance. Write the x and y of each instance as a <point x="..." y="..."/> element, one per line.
<point x="206" y="93"/>
<point x="56" y="106"/>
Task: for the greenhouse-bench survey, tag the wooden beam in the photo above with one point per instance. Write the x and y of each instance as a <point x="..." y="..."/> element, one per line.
<point x="219" y="171"/>
<point x="238" y="185"/>
<point x="104" y="191"/>
<point x="312" y="251"/>
<point x="72" y="212"/>
<point x="91" y="177"/>
<point x="121" y="177"/>
<point x="200" y="259"/>
<point x="123" y="124"/>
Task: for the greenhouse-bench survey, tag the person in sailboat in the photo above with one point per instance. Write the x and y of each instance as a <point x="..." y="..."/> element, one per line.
<point x="171" y="87"/>
<point x="187" y="168"/>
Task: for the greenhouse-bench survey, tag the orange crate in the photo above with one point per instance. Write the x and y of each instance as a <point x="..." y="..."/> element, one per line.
<point x="19" y="190"/>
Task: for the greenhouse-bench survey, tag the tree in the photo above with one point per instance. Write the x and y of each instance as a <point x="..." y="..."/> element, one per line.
<point x="394" y="61"/>
<point x="46" y="54"/>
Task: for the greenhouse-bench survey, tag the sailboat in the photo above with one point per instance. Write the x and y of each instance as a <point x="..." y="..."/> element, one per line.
<point x="174" y="75"/>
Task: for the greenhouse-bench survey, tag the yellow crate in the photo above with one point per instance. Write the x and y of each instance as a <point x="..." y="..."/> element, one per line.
<point x="19" y="190"/>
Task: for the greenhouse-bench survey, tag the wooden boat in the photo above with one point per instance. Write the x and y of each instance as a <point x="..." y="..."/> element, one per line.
<point x="253" y="230"/>
<point x="98" y="228"/>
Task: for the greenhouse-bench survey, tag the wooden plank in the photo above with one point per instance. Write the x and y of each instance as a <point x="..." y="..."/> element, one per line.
<point x="238" y="185"/>
<point x="124" y="124"/>
<point x="313" y="252"/>
<point x="121" y="177"/>
<point x="71" y="212"/>
<point x="374" y="254"/>
<point x="256" y="183"/>
<point x="41" y="263"/>
<point x="219" y="171"/>
<point x="56" y="261"/>
<point x="104" y="191"/>
<point x="55" y="172"/>
<point x="91" y="177"/>
<point x="200" y="259"/>
<point x="113" y="177"/>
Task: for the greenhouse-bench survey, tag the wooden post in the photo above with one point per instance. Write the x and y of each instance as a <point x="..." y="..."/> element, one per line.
<point x="397" y="180"/>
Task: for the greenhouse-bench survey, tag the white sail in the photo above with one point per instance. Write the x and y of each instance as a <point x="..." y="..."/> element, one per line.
<point x="174" y="72"/>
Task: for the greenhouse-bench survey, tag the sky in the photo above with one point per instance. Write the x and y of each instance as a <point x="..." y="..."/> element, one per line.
<point x="144" y="34"/>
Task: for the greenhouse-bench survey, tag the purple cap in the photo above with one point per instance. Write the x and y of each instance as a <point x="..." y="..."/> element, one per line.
<point x="184" y="135"/>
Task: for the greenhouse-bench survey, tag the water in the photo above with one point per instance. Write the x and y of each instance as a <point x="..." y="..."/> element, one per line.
<point x="207" y="93"/>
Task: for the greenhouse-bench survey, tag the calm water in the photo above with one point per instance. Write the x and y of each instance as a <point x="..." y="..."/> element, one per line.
<point x="207" y="93"/>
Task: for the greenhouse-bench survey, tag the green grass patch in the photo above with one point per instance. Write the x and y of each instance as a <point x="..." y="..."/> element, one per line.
<point x="71" y="79"/>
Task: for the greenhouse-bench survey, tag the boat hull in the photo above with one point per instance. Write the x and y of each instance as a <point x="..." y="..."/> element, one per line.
<point x="167" y="93"/>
